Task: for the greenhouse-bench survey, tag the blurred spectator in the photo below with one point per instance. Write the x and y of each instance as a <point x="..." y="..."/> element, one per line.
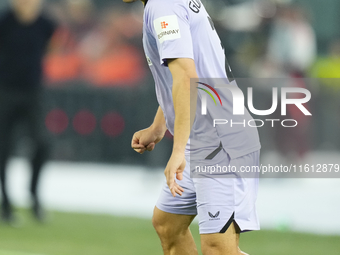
<point x="292" y="50"/>
<point x="97" y="51"/>
<point x="81" y="17"/>
<point x="292" y="43"/>
<point x="24" y="35"/>
<point x="113" y="61"/>
<point x="76" y="19"/>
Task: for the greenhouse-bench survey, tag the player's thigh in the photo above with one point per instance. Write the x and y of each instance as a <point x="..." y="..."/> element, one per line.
<point x="221" y="243"/>
<point x="171" y="210"/>
<point x="170" y="224"/>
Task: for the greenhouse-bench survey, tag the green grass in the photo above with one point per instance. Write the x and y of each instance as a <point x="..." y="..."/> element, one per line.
<point x="82" y="234"/>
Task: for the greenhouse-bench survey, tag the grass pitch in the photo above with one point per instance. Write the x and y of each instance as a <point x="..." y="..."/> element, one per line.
<point x="83" y="234"/>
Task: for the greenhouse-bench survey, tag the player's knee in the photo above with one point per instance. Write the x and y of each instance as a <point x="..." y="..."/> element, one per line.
<point x="209" y="247"/>
<point x="161" y="226"/>
<point x="164" y="232"/>
<point x="213" y="246"/>
<point x="167" y="231"/>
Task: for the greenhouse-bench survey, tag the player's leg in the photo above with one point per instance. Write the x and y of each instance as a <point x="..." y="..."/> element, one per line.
<point x="6" y="209"/>
<point x="40" y="151"/>
<point x="7" y="121"/>
<point x="173" y="215"/>
<point x="222" y="244"/>
<point x="37" y="163"/>
<point x="174" y="233"/>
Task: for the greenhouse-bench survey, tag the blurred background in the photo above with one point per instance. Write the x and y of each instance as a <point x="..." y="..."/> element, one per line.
<point x="98" y="91"/>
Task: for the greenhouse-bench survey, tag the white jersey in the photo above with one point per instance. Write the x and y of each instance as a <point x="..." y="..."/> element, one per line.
<point x="183" y="29"/>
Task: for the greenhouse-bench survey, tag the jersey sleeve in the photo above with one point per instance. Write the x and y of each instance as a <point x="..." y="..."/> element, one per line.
<point x="170" y="26"/>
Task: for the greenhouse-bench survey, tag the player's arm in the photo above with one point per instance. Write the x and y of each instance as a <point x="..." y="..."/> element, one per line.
<point x="182" y="70"/>
<point x="159" y="126"/>
<point x="146" y="139"/>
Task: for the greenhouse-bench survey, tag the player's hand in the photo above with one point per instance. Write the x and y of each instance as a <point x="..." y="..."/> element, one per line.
<point x="174" y="169"/>
<point x="146" y="139"/>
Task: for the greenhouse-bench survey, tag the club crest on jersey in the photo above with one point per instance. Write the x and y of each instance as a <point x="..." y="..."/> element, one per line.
<point x="167" y="28"/>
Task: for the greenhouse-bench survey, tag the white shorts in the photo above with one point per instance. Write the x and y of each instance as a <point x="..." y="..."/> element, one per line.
<point x="216" y="200"/>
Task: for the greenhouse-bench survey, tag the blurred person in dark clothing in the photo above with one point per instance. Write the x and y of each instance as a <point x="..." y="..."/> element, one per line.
<point x="24" y="36"/>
